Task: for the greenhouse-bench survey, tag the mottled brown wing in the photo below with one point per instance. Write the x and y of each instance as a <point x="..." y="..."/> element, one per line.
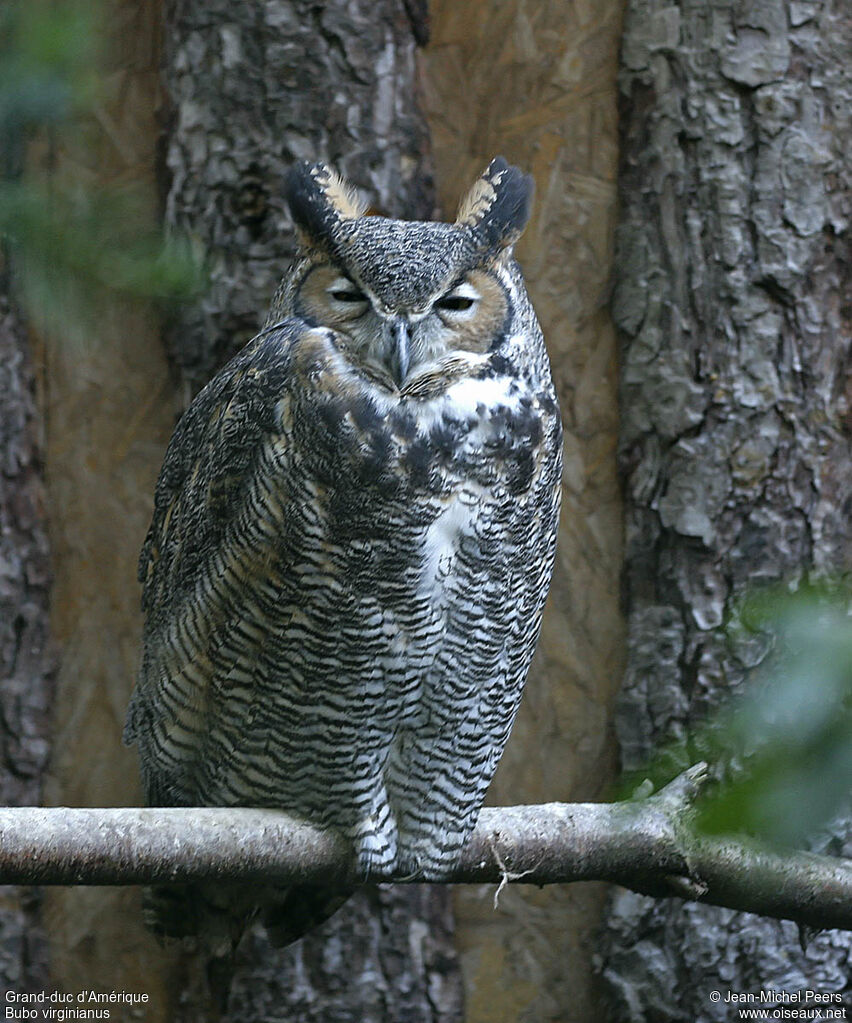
<point x="200" y="493"/>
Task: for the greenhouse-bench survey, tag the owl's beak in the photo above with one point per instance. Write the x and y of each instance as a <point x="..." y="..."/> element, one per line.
<point x="400" y="353"/>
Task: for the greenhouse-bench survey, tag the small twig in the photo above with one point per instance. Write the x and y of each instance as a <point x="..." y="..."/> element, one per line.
<point x="507" y="875"/>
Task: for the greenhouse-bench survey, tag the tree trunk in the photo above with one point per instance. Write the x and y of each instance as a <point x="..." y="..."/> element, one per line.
<point x="255" y="85"/>
<point x="25" y="665"/>
<point x="732" y="298"/>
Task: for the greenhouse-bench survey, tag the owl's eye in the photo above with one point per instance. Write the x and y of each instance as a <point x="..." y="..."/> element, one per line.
<point x="455" y="303"/>
<point x="344" y="291"/>
<point x="347" y="296"/>
<point x="460" y="300"/>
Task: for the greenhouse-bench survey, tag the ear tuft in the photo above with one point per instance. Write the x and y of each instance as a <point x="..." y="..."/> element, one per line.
<point x="498" y="206"/>
<point x="320" y="200"/>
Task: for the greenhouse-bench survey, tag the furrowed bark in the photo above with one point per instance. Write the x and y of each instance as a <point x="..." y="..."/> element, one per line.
<point x="26" y="680"/>
<point x="732" y="285"/>
<point x="283" y="80"/>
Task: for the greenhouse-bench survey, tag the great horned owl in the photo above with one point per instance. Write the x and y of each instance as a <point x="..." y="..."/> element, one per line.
<point x="352" y="542"/>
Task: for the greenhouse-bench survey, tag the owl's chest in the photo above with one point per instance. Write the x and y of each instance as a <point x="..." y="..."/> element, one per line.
<point x="387" y="497"/>
<point x="392" y="496"/>
<point x="370" y="452"/>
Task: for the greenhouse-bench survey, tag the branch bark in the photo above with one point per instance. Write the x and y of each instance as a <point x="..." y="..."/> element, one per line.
<point x="646" y="845"/>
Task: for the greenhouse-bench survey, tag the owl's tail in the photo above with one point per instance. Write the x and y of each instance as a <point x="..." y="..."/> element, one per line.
<point x="292" y="912"/>
<point x="216" y="916"/>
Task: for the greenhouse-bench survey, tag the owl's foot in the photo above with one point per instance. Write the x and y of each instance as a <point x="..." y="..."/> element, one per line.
<point x="426" y="860"/>
<point x="376" y="848"/>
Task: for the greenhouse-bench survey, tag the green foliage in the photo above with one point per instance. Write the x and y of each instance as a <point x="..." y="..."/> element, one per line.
<point x="781" y="750"/>
<point x="47" y="60"/>
<point x="75" y="246"/>
<point x="792" y="733"/>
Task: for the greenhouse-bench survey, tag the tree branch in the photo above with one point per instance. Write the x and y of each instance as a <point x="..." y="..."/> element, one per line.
<point x="645" y="844"/>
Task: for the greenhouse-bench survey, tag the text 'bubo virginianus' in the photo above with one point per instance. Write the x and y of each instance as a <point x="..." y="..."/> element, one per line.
<point x="352" y="542"/>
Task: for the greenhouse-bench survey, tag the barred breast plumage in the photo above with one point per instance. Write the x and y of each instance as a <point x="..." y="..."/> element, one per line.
<point x="352" y="542"/>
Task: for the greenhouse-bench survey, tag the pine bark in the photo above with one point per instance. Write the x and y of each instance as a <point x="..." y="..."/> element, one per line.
<point x="25" y="665"/>
<point x="732" y="299"/>
<point x="253" y="86"/>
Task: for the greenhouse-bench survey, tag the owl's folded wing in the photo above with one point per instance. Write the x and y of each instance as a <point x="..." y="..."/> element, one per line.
<point x="193" y="554"/>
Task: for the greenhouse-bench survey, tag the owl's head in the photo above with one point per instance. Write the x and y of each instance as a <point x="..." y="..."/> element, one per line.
<point x="404" y="295"/>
